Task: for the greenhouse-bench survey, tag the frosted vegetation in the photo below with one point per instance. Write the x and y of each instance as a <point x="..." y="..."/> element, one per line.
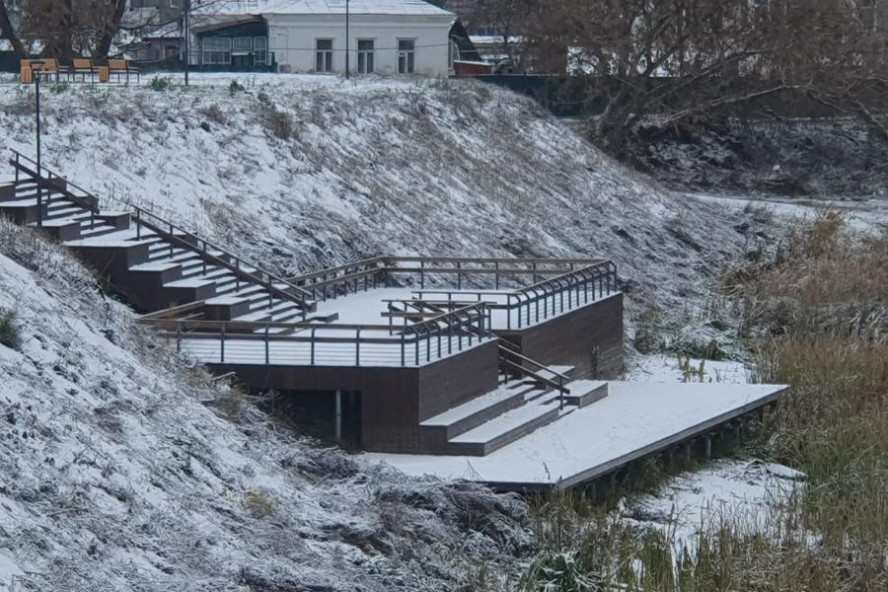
<point x="304" y="172"/>
<point x="120" y="465"/>
<point x="121" y="468"/>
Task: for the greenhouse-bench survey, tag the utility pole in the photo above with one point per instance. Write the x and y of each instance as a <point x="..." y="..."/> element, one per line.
<point x="187" y="33"/>
<point x="36" y="66"/>
<point x="347" y="41"/>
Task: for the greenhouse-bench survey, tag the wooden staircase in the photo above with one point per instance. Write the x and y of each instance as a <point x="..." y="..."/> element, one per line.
<point x="517" y="408"/>
<point x="152" y="263"/>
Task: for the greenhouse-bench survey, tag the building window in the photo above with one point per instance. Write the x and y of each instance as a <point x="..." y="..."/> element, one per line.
<point x="243" y="44"/>
<point x="406" y="52"/>
<point x="216" y="50"/>
<point x="260" y="51"/>
<point x="324" y="55"/>
<point x="365" y="56"/>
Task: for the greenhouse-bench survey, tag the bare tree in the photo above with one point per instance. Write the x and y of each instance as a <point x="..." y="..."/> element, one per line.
<point x="683" y="58"/>
<point x="110" y="28"/>
<point x="73" y="27"/>
<point x="8" y="32"/>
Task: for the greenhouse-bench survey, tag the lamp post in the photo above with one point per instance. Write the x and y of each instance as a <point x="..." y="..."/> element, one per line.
<point x="347" y="42"/>
<point x="36" y="66"/>
<point x="186" y="7"/>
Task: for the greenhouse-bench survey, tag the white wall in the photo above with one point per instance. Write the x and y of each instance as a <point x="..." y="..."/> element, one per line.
<point x="292" y="39"/>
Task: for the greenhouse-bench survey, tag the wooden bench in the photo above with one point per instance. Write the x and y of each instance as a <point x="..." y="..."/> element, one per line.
<point x="84" y="67"/>
<point x="122" y="67"/>
<point x="40" y="67"/>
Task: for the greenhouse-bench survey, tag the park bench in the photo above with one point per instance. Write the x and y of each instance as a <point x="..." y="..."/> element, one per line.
<point x="41" y="67"/>
<point x="121" y="68"/>
<point x="84" y="67"/>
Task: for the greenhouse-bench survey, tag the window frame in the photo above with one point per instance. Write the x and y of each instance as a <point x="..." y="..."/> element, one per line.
<point x="324" y="56"/>
<point x="367" y="57"/>
<point x="407" y="57"/>
<point x="260" y="50"/>
<point x="211" y="56"/>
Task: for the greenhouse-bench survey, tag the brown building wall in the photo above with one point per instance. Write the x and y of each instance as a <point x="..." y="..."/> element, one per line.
<point x="590" y="339"/>
<point x="393" y="400"/>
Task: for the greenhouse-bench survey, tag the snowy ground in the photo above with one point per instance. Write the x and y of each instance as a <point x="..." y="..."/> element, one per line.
<point x="748" y="495"/>
<point x="379" y="166"/>
<point x="116" y="473"/>
<point x="113" y="470"/>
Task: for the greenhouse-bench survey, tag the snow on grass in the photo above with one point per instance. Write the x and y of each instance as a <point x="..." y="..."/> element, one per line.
<point x="379" y="165"/>
<point x="116" y="473"/>
<point x="749" y="496"/>
<point x="671" y="368"/>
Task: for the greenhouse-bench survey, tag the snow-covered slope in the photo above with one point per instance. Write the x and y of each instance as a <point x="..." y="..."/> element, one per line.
<point x="377" y="166"/>
<point x="120" y="469"/>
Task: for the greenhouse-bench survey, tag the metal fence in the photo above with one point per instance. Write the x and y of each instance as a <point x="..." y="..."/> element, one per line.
<point x="312" y="344"/>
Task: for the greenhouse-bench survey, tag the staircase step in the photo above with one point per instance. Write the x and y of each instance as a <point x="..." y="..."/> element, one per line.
<point x="472" y="414"/>
<point x="178" y="256"/>
<point x="274" y="313"/>
<point x="97" y="230"/>
<point x="585" y="392"/>
<point x="229" y="287"/>
<point x="506" y="428"/>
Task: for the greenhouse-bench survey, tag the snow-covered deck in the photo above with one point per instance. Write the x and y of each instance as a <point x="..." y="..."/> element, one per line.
<point x="634" y="420"/>
<point x="367" y="307"/>
<point x="361" y="317"/>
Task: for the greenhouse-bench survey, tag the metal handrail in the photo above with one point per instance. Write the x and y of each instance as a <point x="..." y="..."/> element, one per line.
<point x="166" y="228"/>
<point x="467" y="321"/>
<point x="524" y="301"/>
<point x="228" y="260"/>
<point x="558" y="381"/>
<point x="87" y="201"/>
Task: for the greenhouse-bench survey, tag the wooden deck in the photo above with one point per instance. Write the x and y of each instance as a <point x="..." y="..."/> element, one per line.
<point x="634" y="421"/>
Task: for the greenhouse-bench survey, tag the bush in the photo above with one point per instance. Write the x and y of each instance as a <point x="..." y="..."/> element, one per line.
<point x="10" y="334"/>
<point x="215" y="114"/>
<point x="235" y="87"/>
<point x="160" y="84"/>
<point x="281" y="124"/>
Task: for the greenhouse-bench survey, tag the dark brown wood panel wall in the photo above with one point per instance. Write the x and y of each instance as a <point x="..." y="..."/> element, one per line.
<point x="393" y="400"/>
<point x="590" y="339"/>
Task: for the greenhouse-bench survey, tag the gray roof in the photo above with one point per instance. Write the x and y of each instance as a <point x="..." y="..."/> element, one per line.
<point x="324" y="7"/>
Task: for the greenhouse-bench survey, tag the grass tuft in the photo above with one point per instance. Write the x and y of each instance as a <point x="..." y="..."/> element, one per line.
<point x="10" y="332"/>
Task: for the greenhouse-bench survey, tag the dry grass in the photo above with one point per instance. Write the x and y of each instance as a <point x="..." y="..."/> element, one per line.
<point x="816" y="315"/>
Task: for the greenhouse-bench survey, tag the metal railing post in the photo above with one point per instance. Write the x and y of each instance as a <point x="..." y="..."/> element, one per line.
<point x="312" y="353"/>
<point x="358" y="347"/>
<point x="403" y="349"/>
<point x="179" y="337"/>
<point x="267" y="345"/>
<point x="222" y="345"/>
<point x="416" y="346"/>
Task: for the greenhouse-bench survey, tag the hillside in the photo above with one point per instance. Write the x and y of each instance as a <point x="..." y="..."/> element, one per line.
<point x="122" y="466"/>
<point x="122" y="469"/>
<point x="304" y="172"/>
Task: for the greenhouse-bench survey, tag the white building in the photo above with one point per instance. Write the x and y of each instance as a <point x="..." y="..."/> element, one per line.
<point x="383" y="36"/>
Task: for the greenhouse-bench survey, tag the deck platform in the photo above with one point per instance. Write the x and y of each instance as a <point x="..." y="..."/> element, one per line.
<point x="636" y="419"/>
